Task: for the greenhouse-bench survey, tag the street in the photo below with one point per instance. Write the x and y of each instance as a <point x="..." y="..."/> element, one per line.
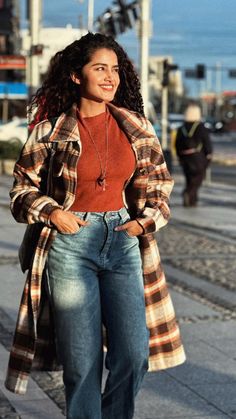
<point x="198" y="251"/>
<point x="223" y="166"/>
<point x="219" y="173"/>
<point x="223" y="174"/>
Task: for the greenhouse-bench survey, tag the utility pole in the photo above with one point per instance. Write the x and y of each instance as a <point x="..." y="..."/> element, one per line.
<point x="90" y="15"/>
<point x="164" y="117"/>
<point x="166" y="68"/>
<point x="34" y="26"/>
<point x="144" y="50"/>
<point x="218" y="89"/>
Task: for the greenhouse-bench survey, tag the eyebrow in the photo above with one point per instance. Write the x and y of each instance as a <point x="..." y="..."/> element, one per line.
<point x="106" y="65"/>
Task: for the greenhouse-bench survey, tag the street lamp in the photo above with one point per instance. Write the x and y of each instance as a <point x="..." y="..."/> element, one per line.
<point x="144" y="50"/>
<point x="90" y="17"/>
<point x="34" y="9"/>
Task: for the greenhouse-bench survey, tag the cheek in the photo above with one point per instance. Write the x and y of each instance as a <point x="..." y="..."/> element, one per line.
<point x="117" y="78"/>
<point x="117" y="86"/>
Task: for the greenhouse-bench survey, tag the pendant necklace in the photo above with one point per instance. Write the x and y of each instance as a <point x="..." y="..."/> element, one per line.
<point x="101" y="180"/>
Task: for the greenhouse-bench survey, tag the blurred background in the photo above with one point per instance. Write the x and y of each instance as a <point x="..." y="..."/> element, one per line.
<point x="183" y="50"/>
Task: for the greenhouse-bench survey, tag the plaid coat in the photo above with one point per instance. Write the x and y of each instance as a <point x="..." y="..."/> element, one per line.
<point x="147" y="200"/>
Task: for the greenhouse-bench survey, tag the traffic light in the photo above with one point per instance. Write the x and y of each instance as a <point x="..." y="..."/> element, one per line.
<point x="107" y="24"/>
<point x="124" y="14"/>
<point x="232" y="72"/>
<point x="167" y="67"/>
<point x="118" y="19"/>
<point x="200" y="71"/>
<point x="36" y="49"/>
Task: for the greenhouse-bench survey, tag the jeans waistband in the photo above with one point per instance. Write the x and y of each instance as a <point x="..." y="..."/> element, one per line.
<point x="121" y="213"/>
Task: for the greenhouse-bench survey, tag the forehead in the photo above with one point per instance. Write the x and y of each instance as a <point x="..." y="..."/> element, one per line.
<point x="104" y="55"/>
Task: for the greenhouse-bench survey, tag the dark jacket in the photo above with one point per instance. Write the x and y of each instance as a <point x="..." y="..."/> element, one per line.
<point x="193" y="146"/>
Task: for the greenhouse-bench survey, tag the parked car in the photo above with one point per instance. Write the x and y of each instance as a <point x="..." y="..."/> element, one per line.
<point x="214" y="126"/>
<point x="15" y="131"/>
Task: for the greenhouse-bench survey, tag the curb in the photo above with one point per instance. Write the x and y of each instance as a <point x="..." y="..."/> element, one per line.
<point x="224" y="161"/>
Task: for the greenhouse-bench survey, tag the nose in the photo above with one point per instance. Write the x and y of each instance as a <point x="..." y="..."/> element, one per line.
<point x="109" y="74"/>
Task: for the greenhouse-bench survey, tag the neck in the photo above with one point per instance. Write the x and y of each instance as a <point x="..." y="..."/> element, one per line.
<point x="91" y="108"/>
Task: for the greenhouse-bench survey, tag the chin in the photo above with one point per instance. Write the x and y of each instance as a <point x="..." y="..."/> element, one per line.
<point x="108" y="98"/>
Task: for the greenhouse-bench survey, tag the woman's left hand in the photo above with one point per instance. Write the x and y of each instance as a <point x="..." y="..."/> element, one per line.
<point x="133" y="228"/>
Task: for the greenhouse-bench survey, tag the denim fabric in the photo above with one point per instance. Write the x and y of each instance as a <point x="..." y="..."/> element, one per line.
<point x="95" y="278"/>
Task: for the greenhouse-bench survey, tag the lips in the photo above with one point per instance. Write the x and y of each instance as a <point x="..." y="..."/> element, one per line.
<point x="108" y="87"/>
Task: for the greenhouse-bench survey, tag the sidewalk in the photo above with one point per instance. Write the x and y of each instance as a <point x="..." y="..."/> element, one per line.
<point x="203" y="387"/>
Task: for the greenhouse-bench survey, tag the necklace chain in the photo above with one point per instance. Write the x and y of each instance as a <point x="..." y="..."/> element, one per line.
<point x="101" y="180"/>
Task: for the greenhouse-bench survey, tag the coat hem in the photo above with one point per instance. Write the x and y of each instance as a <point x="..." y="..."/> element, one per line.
<point x="162" y="364"/>
<point x="11" y="385"/>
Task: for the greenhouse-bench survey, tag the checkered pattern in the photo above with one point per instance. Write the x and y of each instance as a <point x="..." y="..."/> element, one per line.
<point x="146" y="196"/>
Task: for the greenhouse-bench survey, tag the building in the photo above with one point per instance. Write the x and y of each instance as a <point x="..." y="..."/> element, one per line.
<point x="9" y="37"/>
<point x="51" y="40"/>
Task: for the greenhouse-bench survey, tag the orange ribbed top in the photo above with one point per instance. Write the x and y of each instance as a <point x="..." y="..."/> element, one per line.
<point x="120" y="165"/>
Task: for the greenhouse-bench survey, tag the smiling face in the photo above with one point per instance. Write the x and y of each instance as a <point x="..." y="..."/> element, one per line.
<point x="99" y="79"/>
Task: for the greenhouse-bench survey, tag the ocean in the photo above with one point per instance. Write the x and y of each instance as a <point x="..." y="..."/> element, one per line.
<point x="191" y="31"/>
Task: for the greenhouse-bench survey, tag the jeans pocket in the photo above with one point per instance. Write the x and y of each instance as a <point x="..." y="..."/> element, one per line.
<point x="82" y="216"/>
<point x="126" y="219"/>
<point x="72" y="234"/>
<point x="125" y="232"/>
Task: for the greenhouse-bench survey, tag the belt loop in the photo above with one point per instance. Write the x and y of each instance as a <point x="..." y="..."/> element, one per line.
<point x="124" y="215"/>
<point x="86" y="216"/>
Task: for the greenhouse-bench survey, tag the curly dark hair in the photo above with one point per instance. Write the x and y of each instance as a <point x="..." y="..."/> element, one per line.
<point x="58" y="92"/>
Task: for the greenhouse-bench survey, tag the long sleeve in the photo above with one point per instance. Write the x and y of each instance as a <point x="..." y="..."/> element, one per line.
<point x="156" y="212"/>
<point x="29" y="202"/>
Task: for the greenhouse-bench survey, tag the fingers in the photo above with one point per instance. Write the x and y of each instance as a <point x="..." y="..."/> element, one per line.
<point x="133" y="228"/>
<point x="81" y="222"/>
<point x="124" y="226"/>
<point x="67" y="222"/>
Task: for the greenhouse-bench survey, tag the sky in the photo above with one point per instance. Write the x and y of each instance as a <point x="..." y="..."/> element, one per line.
<point x="192" y="31"/>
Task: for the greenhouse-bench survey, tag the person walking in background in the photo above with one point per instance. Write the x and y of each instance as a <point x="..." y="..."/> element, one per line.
<point x="194" y="150"/>
<point x="96" y="264"/>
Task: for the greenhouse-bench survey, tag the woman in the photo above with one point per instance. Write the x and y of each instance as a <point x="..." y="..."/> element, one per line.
<point x="194" y="149"/>
<point x="96" y="251"/>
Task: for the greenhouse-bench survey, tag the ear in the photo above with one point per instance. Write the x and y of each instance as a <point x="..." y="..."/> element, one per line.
<point x="74" y="78"/>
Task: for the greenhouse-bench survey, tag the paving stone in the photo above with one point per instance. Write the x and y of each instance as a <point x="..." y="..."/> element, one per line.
<point x="223" y="397"/>
<point x="163" y="397"/>
<point x="6" y="409"/>
<point x="214" y="292"/>
<point x="228" y="348"/>
<point x="186" y="307"/>
<point x="209" y="340"/>
<point x="214" y="260"/>
<point x="214" y="416"/>
<point x="45" y="409"/>
<point x="207" y="332"/>
<point x="205" y="365"/>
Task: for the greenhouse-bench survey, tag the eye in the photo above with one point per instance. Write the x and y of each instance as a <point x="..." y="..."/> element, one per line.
<point x="101" y="68"/>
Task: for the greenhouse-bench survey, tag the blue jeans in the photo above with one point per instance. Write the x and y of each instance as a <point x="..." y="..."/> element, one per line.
<point x="95" y="279"/>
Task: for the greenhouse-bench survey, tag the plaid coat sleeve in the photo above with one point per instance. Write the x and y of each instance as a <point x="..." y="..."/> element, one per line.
<point x="156" y="212"/>
<point x="29" y="203"/>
